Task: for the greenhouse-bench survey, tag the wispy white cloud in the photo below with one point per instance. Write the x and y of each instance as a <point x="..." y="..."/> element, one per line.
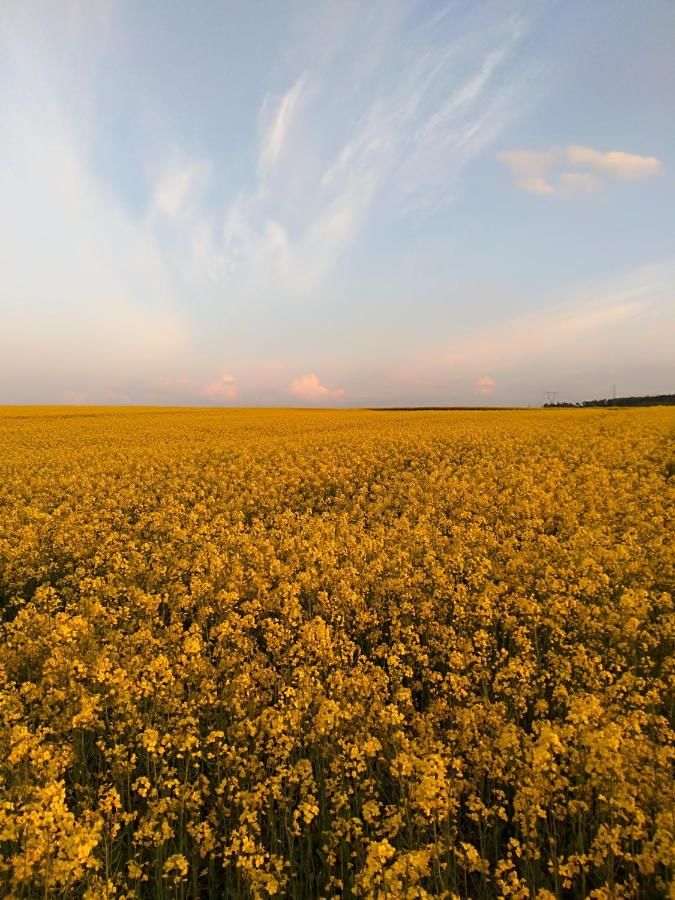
<point x="278" y="125"/>
<point x="385" y="123"/>
<point x="478" y="106"/>
<point x="379" y="123"/>
<point x="179" y="187"/>
<point x="595" y="323"/>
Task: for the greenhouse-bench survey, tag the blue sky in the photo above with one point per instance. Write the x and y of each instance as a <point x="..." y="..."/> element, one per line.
<point x="336" y="203"/>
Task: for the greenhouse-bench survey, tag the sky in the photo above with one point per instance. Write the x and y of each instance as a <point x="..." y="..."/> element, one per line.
<point x="336" y="203"/>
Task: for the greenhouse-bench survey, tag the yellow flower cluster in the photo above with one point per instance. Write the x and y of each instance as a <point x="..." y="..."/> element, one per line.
<point x="336" y="654"/>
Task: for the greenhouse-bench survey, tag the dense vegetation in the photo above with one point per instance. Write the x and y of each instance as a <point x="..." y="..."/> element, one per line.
<point x="651" y="400"/>
<point x="324" y="654"/>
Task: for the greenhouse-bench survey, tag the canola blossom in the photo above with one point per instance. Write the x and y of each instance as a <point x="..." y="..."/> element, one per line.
<point x="257" y="653"/>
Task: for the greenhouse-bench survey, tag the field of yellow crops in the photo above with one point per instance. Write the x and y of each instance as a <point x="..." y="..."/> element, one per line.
<point x="336" y="654"/>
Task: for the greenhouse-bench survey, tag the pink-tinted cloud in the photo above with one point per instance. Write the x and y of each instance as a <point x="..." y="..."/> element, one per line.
<point x="224" y="388"/>
<point x="627" y="166"/>
<point x="538" y="171"/>
<point x="309" y="389"/>
<point x="485" y="385"/>
<point x="530" y="168"/>
<point x="536" y="185"/>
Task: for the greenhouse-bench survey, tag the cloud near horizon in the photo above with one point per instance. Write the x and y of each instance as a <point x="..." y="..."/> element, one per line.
<point x="485" y="385"/>
<point x="593" y="327"/>
<point x="309" y="389"/>
<point x="225" y="388"/>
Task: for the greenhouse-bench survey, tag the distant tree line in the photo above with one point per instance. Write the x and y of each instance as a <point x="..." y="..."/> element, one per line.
<point x="656" y="400"/>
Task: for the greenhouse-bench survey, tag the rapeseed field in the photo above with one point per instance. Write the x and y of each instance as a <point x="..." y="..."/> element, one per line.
<point x="336" y="654"/>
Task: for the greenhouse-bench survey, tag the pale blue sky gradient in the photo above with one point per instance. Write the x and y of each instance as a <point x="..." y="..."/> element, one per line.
<point x="336" y="203"/>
